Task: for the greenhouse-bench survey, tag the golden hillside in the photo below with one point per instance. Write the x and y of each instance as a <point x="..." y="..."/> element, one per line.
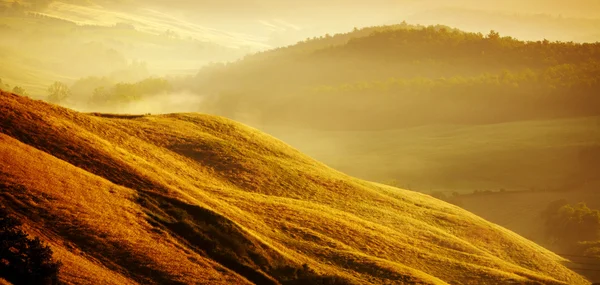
<point x="197" y="199"/>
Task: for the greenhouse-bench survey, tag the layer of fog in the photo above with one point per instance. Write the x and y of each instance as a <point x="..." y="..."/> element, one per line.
<point x="265" y="24"/>
<point x="166" y="103"/>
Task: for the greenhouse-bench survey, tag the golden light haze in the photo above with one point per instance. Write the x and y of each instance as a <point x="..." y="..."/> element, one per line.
<point x="200" y="32"/>
<point x="227" y="141"/>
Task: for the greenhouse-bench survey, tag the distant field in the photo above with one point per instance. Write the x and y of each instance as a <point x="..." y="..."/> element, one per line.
<point x="512" y="156"/>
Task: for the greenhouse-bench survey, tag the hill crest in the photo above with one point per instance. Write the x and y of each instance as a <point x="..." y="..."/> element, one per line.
<point x="189" y="198"/>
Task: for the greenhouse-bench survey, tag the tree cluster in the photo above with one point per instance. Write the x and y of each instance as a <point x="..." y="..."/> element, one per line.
<point x="123" y="93"/>
<point x="572" y="227"/>
<point x="24" y="260"/>
<point x="16" y="89"/>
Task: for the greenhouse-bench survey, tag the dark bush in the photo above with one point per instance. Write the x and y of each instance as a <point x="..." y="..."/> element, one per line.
<point x="570" y="227"/>
<point x="24" y="260"/>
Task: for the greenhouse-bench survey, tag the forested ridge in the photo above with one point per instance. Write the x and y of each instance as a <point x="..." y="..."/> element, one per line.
<point x="409" y="75"/>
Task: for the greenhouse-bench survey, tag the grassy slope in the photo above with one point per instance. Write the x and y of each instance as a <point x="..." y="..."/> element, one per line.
<point x="460" y="158"/>
<point x="174" y="197"/>
<point x="521" y="212"/>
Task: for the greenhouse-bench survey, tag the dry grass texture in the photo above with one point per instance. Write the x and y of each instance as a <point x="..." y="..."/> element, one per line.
<point x="197" y="199"/>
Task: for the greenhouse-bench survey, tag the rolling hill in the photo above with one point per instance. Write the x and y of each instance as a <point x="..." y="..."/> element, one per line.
<point x="437" y="108"/>
<point x="401" y="76"/>
<point x="199" y="199"/>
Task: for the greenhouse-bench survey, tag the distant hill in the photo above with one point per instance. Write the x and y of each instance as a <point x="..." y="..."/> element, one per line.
<point x="433" y="107"/>
<point x="190" y="198"/>
<point x="402" y="75"/>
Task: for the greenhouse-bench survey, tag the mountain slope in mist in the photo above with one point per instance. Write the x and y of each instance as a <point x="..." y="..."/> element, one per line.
<point x="189" y="198"/>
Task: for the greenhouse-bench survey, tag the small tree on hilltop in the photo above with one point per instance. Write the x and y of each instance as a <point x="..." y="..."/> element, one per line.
<point x="58" y="92"/>
<point x="24" y="260"/>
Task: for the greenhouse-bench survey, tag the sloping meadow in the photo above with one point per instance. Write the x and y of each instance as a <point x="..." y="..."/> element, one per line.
<point x="191" y="198"/>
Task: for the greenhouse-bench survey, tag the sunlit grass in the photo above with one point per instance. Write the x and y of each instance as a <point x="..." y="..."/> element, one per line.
<point x="119" y="191"/>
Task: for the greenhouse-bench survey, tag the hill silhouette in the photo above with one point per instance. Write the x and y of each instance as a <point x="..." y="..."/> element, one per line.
<point x="191" y="198"/>
<point x="404" y="76"/>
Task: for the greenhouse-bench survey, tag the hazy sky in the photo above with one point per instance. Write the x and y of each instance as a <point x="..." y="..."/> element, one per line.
<point x="337" y="9"/>
<point x="289" y="21"/>
<point x="226" y="30"/>
<point x="269" y="23"/>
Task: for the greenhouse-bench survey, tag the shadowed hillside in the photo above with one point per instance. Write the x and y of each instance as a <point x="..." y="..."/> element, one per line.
<point x="189" y="198"/>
